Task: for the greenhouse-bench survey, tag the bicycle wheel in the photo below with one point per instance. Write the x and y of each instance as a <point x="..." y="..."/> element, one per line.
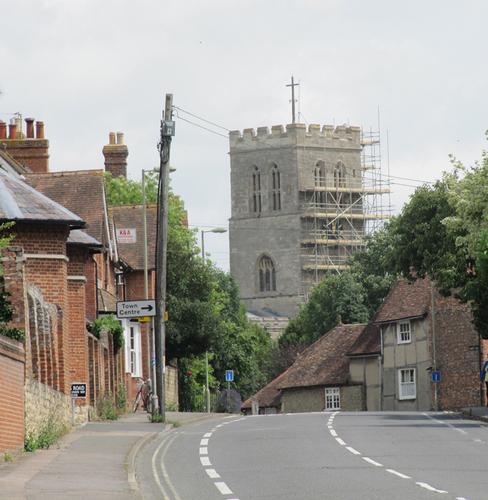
<point x="137" y="401"/>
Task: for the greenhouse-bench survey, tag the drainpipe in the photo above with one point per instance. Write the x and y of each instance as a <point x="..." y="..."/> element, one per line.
<point x="96" y="286"/>
<point x="380" y="359"/>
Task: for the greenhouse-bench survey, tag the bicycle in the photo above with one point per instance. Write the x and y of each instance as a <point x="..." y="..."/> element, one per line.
<point x="145" y="394"/>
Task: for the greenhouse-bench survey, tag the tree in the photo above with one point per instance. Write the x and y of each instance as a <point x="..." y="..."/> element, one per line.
<point x="442" y="233"/>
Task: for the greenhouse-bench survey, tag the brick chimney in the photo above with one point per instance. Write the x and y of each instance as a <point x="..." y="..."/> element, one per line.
<point x="116" y="153"/>
<point x="31" y="152"/>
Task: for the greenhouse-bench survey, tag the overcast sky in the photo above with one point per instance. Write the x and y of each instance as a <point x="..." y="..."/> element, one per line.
<point x="89" y="67"/>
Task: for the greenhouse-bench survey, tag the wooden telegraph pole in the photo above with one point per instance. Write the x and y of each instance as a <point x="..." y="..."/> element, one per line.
<point x="167" y="132"/>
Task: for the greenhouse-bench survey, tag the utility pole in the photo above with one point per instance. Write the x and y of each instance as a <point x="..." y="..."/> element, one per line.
<point x="167" y="131"/>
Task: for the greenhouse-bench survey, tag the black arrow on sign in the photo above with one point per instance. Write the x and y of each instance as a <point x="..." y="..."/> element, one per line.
<point x="149" y="307"/>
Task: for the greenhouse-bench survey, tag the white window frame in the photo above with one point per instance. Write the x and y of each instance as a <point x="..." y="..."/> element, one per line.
<point x="402" y="337"/>
<point x="332" y="398"/>
<point x="407" y="383"/>
<point x="133" y="348"/>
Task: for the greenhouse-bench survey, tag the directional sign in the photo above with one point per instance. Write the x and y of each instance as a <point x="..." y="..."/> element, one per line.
<point x="229" y="375"/>
<point x="136" y="308"/>
<point x="436" y="376"/>
<point x="78" y="390"/>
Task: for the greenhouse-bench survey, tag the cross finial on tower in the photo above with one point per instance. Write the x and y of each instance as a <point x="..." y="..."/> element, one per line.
<point x="293" y="85"/>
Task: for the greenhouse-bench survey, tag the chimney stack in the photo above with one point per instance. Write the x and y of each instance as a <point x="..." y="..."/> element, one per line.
<point x="116" y="153"/>
<point x="31" y="152"/>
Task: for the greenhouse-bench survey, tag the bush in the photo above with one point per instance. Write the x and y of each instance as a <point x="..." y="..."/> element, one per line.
<point x="50" y="432"/>
<point x="105" y="407"/>
<point x="114" y="326"/>
<point x="228" y="401"/>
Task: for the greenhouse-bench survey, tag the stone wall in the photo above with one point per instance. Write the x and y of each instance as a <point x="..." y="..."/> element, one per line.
<point x="352" y="398"/>
<point x="303" y="400"/>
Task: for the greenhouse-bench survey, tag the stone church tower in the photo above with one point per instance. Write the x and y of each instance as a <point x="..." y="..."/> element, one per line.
<point x="301" y="204"/>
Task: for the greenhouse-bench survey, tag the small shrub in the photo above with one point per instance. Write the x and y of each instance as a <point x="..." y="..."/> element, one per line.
<point x="105" y="407"/>
<point x="228" y="401"/>
<point x="50" y="432"/>
<point x="172" y="406"/>
<point x="121" y="398"/>
<point x="8" y="457"/>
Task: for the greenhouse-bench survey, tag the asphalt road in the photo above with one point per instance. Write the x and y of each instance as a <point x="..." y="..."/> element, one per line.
<point x="320" y="456"/>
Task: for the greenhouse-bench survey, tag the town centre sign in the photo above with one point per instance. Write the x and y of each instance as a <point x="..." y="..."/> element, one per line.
<point x="136" y="308"/>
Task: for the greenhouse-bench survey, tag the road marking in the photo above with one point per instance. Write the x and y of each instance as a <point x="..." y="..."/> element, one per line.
<point x="207" y="435"/>
<point x="204" y="451"/>
<point x="340" y="441"/>
<point x="352" y="450"/>
<point x="399" y="474"/>
<point x="205" y="461"/>
<point x="204" y="442"/>
<point x="430" y="488"/>
<point x="333" y="432"/>
<point x="163" y="470"/>
<point x="223" y="488"/>
<point x="213" y="474"/>
<point x="371" y="461"/>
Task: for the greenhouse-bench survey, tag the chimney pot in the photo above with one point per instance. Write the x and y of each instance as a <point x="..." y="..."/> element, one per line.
<point x="120" y="138"/>
<point x="12" y="130"/>
<point x="30" y="127"/>
<point x="40" y="130"/>
<point x="3" y="130"/>
<point x="111" y="138"/>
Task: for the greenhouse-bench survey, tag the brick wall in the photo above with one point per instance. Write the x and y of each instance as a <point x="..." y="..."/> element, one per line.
<point x="12" y="359"/>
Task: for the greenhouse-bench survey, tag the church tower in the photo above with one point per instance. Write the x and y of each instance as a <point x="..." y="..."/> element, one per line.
<point x="302" y="200"/>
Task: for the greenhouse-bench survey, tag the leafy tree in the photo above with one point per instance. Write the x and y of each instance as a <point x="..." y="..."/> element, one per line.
<point x="122" y="191"/>
<point x="115" y="328"/>
<point x="442" y="233"/>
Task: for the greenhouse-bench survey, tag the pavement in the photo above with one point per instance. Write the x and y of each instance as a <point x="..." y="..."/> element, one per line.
<point x="95" y="460"/>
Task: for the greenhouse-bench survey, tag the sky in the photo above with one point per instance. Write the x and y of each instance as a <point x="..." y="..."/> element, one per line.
<point x="415" y="71"/>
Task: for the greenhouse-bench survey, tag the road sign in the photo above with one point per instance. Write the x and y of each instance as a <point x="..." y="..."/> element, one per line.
<point x="436" y="376"/>
<point x="229" y="375"/>
<point x="78" y="390"/>
<point x="136" y="309"/>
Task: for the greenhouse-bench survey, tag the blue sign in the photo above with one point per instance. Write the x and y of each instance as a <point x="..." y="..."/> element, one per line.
<point x="436" y="376"/>
<point x="229" y="375"/>
<point x="153" y="359"/>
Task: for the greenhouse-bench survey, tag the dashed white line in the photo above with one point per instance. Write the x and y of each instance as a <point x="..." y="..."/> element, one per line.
<point x="212" y="473"/>
<point x="371" y="461"/>
<point x="223" y="488"/>
<point x="352" y="450"/>
<point x="204" y="451"/>
<point x="340" y="441"/>
<point x="205" y="461"/>
<point x="399" y="474"/>
<point x="204" y="442"/>
<point x="207" y="435"/>
<point x="333" y="432"/>
<point x="430" y="488"/>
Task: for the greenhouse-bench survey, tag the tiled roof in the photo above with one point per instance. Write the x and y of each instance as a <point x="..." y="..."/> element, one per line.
<point x="405" y="300"/>
<point x="324" y="363"/>
<point x="82" y="192"/>
<point x="130" y="217"/>
<point x="368" y="342"/>
<point x="20" y="202"/>
<point x="269" y="396"/>
<point x="80" y="238"/>
<point x="107" y="301"/>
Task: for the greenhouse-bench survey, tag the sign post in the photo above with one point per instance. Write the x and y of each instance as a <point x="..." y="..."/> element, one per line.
<point x="136" y="309"/>
<point x="78" y="390"/>
<point x="229" y="377"/>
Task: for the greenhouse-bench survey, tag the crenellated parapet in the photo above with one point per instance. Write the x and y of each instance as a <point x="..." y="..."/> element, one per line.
<point x="296" y="134"/>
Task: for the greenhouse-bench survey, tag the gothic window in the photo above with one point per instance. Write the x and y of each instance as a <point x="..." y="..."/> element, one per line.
<point x="275" y="188"/>
<point x="319" y="174"/>
<point x="267" y="275"/>
<point x="340" y="175"/>
<point x="256" y="190"/>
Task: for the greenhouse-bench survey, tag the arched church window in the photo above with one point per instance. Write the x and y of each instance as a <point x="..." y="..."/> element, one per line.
<point x="256" y="190"/>
<point x="267" y="275"/>
<point x="275" y="187"/>
<point x="340" y="175"/>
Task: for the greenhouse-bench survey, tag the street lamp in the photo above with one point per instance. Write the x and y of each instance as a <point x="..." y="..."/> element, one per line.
<point x="207" y="390"/>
